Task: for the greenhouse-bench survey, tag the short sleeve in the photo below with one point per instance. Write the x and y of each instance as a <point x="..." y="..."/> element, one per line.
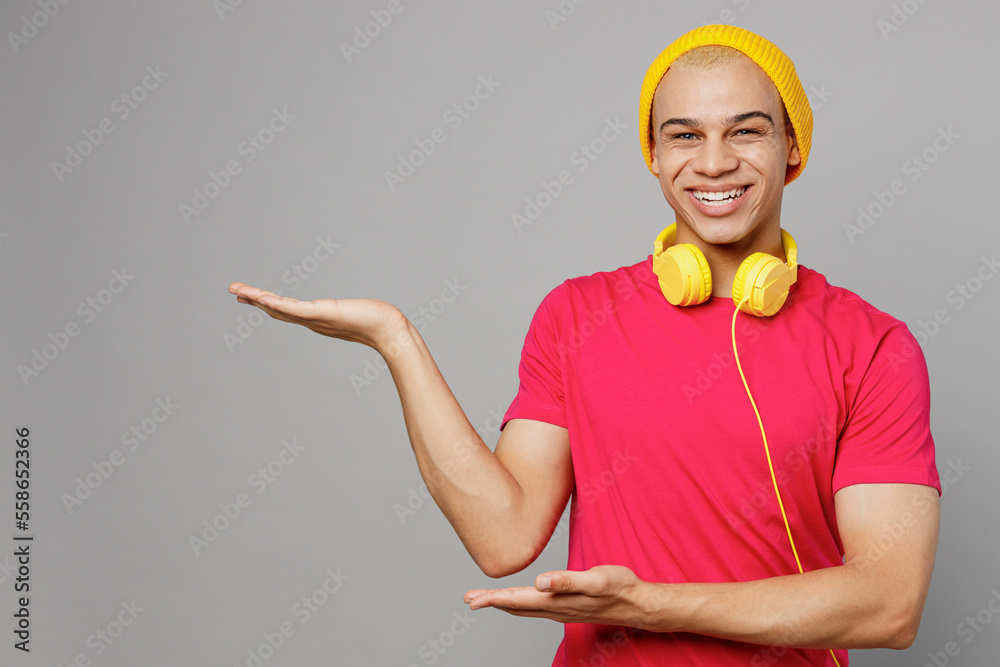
<point x="887" y="436"/>
<point x="540" y="395"/>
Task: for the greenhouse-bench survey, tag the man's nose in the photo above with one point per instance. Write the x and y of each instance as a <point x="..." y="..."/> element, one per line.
<point x="715" y="157"/>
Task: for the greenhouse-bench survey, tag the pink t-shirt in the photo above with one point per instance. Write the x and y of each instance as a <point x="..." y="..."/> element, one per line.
<point x="671" y="476"/>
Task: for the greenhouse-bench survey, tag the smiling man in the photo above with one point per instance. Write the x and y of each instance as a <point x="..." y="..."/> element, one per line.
<point x="740" y="495"/>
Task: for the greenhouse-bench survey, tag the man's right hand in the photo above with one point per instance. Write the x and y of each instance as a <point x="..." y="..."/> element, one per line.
<point x="368" y="321"/>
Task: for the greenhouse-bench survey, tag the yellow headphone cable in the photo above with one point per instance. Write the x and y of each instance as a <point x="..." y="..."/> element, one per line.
<point x="767" y="451"/>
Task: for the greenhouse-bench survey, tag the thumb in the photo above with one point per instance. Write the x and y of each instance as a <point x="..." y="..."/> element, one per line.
<point x="559" y="581"/>
<point x="598" y="580"/>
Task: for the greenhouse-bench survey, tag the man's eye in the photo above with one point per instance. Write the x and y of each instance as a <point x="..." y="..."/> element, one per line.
<point x="747" y="131"/>
<point x="684" y="136"/>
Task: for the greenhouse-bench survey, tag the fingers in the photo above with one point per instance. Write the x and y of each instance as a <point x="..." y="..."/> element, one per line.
<point x="275" y="305"/>
<point x="507" y="599"/>
<point x="488" y="597"/>
<point x="551" y="582"/>
<point x="591" y="582"/>
<point x="250" y="294"/>
<point x="474" y="593"/>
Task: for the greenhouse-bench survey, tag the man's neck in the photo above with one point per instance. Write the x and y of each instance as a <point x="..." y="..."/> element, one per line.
<point x="724" y="259"/>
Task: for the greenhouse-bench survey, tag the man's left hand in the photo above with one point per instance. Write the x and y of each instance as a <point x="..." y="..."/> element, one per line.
<point x="606" y="594"/>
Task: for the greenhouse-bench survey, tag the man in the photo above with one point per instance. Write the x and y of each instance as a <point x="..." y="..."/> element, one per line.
<point x="755" y="495"/>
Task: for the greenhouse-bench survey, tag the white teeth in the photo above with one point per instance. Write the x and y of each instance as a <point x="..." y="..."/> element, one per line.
<point x="718" y="197"/>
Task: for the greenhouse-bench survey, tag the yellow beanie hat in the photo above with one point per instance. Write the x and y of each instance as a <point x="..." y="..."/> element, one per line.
<point x="776" y="65"/>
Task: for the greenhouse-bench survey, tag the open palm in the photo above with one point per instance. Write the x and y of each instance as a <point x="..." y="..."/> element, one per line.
<point x="367" y="321"/>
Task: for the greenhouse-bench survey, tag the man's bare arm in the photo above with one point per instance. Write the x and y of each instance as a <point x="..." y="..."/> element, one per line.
<point x="875" y="599"/>
<point x="503" y="505"/>
<point x="889" y="533"/>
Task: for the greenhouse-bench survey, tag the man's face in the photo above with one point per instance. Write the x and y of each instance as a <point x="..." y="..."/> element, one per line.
<point x="719" y="133"/>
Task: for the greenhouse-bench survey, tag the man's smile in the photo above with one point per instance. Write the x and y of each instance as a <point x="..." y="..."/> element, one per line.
<point x="716" y="201"/>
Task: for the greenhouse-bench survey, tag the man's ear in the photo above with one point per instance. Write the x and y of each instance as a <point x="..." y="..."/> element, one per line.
<point x="794" y="157"/>
<point x="655" y="167"/>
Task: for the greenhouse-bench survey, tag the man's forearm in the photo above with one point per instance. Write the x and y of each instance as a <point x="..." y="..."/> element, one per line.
<point x="477" y="494"/>
<point x="837" y="607"/>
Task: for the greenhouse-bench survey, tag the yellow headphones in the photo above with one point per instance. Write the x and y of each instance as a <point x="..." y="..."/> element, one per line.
<point x="760" y="287"/>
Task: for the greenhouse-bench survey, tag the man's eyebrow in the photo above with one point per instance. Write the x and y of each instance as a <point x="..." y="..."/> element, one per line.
<point x="732" y="120"/>
<point x="689" y="122"/>
<point x="739" y="118"/>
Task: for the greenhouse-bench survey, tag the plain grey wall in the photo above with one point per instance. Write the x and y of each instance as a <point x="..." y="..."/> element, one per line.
<point x="888" y="81"/>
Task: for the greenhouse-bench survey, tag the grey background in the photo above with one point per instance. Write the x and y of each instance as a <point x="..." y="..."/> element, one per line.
<point x="882" y="97"/>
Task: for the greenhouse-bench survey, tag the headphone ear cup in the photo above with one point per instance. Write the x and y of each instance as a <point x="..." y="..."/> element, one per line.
<point x="765" y="279"/>
<point x="739" y="282"/>
<point x="684" y="275"/>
